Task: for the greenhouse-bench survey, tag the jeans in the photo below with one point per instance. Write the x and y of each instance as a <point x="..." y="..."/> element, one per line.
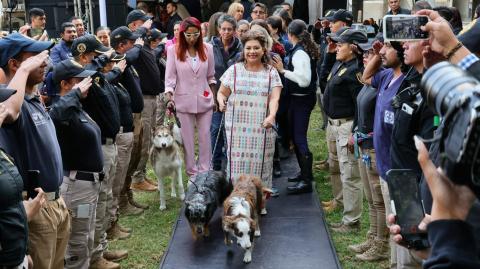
<point x="219" y="153"/>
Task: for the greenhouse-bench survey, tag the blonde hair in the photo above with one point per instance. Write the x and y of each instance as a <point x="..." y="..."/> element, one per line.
<point x="233" y="8"/>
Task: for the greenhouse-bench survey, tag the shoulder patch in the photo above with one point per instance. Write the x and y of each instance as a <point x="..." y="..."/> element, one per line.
<point x="342" y="72"/>
<point x="329" y="76"/>
<point x="359" y="77"/>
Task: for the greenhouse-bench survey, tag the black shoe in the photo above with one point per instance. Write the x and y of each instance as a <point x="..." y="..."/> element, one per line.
<point x="295" y="179"/>
<point x="300" y="187"/>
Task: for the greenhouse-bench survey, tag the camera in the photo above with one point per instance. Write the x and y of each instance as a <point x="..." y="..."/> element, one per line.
<point x="455" y="96"/>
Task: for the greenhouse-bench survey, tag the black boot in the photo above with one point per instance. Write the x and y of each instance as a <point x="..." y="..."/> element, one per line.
<point x="277" y="170"/>
<point x="299" y="176"/>
<point x="305" y="184"/>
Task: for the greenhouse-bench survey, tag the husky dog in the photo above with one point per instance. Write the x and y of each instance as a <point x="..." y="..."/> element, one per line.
<point x="203" y="196"/>
<point x="167" y="160"/>
<point x="241" y="211"/>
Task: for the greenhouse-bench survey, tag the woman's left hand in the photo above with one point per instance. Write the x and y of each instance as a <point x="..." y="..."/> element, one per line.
<point x="268" y="122"/>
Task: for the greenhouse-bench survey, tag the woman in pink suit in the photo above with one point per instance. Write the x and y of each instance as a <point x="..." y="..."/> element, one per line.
<point x="189" y="79"/>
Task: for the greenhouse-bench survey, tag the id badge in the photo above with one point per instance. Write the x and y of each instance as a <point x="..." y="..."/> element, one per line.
<point x="83" y="211"/>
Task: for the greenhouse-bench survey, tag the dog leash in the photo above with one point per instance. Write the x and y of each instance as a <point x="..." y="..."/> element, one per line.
<point x="173" y="111"/>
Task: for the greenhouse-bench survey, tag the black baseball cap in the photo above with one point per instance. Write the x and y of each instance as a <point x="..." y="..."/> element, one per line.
<point x="122" y="33"/>
<point x="70" y="69"/>
<point x="86" y="44"/>
<point x="155" y="33"/>
<point x="13" y="44"/>
<point x="5" y="93"/>
<point x="341" y="15"/>
<point x="328" y="14"/>
<point x="116" y="57"/>
<point x="366" y="46"/>
<point x="470" y="38"/>
<point x="350" y="36"/>
<point x="137" y="14"/>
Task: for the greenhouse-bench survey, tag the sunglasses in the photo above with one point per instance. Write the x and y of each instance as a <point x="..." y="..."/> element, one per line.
<point x="190" y="35"/>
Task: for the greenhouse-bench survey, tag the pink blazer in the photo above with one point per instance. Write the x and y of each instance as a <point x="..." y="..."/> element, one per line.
<point x="191" y="88"/>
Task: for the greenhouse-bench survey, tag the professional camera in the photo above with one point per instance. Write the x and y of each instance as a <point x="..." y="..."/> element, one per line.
<point x="455" y="96"/>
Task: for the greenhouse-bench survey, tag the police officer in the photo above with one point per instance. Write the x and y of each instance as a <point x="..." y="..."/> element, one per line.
<point x="339" y="102"/>
<point x="124" y="41"/>
<point x="101" y="104"/>
<point x="80" y="143"/>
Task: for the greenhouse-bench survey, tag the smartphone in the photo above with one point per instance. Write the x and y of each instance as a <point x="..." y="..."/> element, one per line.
<point x="404" y="27"/>
<point x="33" y="183"/>
<point x="407" y="206"/>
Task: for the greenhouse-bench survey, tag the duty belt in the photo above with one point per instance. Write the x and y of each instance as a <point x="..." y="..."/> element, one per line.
<point x="108" y="141"/>
<point x="85" y="176"/>
<point x="338" y="122"/>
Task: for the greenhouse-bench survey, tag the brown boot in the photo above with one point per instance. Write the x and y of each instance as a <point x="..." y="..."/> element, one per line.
<point x="327" y="203"/>
<point x="143" y="186"/>
<point x="135" y="203"/>
<point x="332" y="207"/>
<point x="115" y="233"/>
<point x="322" y="165"/>
<point x="151" y="182"/>
<point x="126" y="209"/>
<point x="115" y="255"/>
<point x="364" y="246"/>
<point x="378" y="251"/>
<point x="347" y="228"/>
<point x="124" y="229"/>
<point x="102" y="263"/>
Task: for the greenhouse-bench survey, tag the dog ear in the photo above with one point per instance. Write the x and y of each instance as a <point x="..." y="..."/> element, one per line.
<point x="227" y="222"/>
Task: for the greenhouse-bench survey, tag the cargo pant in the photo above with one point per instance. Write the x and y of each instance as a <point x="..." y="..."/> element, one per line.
<point x="373" y="193"/>
<point x="400" y="257"/>
<point x="334" y="168"/>
<point x="79" y="196"/>
<point x="150" y="119"/>
<point x="105" y="198"/>
<point x="124" y="143"/>
<point x="352" y="189"/>
<point x="48" y="234"/>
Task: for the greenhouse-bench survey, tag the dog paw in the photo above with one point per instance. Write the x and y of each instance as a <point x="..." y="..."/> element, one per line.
<point x="264" y="211"/>
<point x="163" y="207"/>
<point x="257" y="233"/>
<point x="247" y="258"/>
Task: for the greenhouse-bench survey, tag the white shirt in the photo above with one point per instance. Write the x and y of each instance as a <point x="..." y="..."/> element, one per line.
<point x="301" y="74"/>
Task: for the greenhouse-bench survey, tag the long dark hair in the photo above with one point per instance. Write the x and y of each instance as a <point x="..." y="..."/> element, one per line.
<point x="298" y="28"/>
<point x="182" y="44"/>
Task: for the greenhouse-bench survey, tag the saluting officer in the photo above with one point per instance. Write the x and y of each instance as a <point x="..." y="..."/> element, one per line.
<point x="339" y="102"/>
<point x="80" y="143"/>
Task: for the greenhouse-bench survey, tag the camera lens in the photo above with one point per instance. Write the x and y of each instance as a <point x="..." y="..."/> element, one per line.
<point x="443" y="83"/>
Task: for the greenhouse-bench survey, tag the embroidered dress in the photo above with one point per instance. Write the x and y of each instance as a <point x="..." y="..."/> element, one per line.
<point x="250" y="147"/>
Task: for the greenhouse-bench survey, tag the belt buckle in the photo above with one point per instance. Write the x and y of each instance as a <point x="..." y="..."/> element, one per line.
<point x="50" y="196"/>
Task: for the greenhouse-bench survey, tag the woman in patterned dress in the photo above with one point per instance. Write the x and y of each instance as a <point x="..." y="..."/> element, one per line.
<point x="249" y="94"/>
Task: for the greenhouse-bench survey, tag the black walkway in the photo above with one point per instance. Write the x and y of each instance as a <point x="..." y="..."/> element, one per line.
<point x="294" y="236"/>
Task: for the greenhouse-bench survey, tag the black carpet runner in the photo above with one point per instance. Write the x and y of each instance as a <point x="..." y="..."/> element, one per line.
<point x="294" y="235"/>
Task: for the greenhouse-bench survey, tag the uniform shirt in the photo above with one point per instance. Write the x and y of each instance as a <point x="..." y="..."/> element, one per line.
<point x="364" y="115"/>
<point x="147" y="68"/>
<point x="384" y="117"/>
<point x="13" y="219"/>
<point x="32" y="141"/>
<point x="124" y="103"/>
<point x="343" y="86"/>
<point x="78" y="135"/>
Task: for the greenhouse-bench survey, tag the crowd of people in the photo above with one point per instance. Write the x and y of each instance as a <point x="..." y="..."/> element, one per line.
<point x="77" y="119"/>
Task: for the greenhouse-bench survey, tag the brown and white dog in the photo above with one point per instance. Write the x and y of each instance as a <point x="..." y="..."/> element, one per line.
<point x="241" y="212"/>
<point x="166" y="158"/>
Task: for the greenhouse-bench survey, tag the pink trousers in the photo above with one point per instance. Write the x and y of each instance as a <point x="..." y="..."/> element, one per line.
<point x="202" y="121"/>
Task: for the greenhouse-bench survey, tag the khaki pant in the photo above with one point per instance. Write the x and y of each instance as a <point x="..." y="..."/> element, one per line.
<point x="105" y="199"/>
<point x="149" y="120"/>
<point x="334" y="168"/>
<point x="48" y="234"/>
<point x="79" y="194"/>
<point x="124" y="143"/>
<point x="351" y="182"/>
<point x="373" y="193"/>
<point x="400" y="257"/>
<point x="136" y="152"/>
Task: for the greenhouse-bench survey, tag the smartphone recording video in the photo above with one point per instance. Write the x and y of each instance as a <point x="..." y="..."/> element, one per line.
<point x="404" y="27"/>
<point x="407" y="206"/>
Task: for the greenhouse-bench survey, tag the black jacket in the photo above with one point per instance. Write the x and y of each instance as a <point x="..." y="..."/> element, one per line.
<point x="340" y="96"/>
<point x="171" y="23"/>
<point x="131" y="81"/>
<point x="326" y="65"/>
<point x="224" y="60"/>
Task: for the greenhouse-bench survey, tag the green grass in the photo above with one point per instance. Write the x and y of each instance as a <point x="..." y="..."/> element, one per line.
<point x="153" y="229"/>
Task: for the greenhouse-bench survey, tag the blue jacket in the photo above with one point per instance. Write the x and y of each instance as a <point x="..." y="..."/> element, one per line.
<point x="60" y="52"/>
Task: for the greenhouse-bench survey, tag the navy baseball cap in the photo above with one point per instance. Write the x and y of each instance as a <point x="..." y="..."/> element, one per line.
<point x="86" y="44"/>
<point x="5" y="93"/>
<point x="122" y="33"/>
<point x="366" y="46"/>
<point x="137" y="14"/>
<point x="70" y="69"/>
<point x="13" y="44"/>
<point x="350" y="36"/>
<point x="341" y="15"/>
<point x="155" y="33"/>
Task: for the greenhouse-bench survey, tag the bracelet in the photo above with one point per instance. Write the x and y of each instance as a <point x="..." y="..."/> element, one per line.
<point x="454" y="50"/>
